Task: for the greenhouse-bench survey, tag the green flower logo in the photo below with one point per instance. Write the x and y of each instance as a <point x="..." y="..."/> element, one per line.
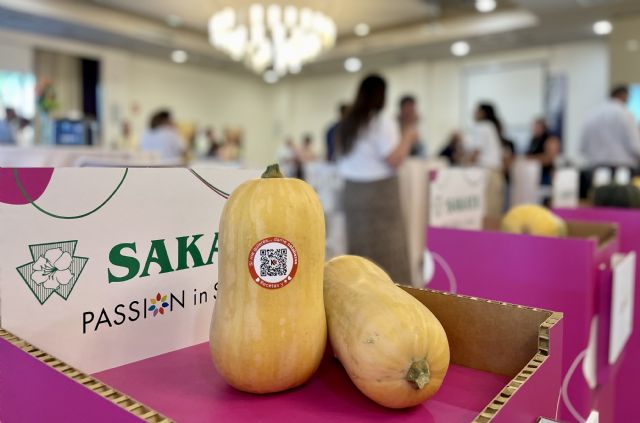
<point x="54" y="268"/>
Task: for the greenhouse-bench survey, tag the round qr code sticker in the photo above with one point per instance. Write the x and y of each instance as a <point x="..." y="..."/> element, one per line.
<point x="273" y="262"/>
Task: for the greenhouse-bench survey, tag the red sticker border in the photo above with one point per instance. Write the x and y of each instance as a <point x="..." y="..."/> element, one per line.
<point x="287" y="279"/>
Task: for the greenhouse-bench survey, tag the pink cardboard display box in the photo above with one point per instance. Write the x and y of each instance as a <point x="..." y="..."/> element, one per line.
<point x="628" y="373"/>
<point x="571" y="275"/>
<point x="505" y="367"/>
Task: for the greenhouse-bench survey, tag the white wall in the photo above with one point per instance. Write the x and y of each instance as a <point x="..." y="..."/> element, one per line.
<point x="308" y="104"/>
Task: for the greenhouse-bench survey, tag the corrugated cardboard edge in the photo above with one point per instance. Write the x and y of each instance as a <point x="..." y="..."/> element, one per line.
<point x="122" y="400"/>
<point x="527" y="372"/>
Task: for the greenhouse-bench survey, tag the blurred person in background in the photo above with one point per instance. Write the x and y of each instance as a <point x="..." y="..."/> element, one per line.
<point x="544" y="147"/>
<point x="370" y="149"/>
<point x="306" y="150"/>
<point x="163" y="137"/>
<point x="231" y="147"/>
<point x="408" y="120"/>
<point x="454" y="150"/>
<point x="9" y="127"/>
<point x="212" y="142"/>
<point x="288" y="158"/>
<point x="26" y="135"/>
<point x="610" y="135"/>
<point x="305" y="154"/>
<point x="485" y="150"/>
<point x="332" y="131"/>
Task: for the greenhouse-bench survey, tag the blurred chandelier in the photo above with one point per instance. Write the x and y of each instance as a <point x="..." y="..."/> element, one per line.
<point x="273" y="37"/>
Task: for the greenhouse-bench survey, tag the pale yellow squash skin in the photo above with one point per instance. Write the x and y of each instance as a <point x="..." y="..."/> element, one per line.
<point x="533" y="219"/>
<point x="378" y="331"/>
<point x="268" y="340"/>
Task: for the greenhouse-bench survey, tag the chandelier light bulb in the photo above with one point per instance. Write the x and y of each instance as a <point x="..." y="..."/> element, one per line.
<point x="352" y="64"/>
<point x="460" y="48"/>
<point x="485" y="6"/>
<point x="256" y="14"/>
<point x="602" y="27"/>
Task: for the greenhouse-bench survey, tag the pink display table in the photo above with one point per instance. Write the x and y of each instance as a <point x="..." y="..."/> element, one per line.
<point x="570" y="275"/>
<point x="506" y="367"/>
<point x="190" y="375"/>
<point x="628" y="374"/>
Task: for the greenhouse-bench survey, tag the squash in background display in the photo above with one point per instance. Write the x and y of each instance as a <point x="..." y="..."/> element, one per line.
<point x="532" y="219"/>
<point x="393" y="348"/>
<point x="623" y="196"/>
<point x="268" y="331"/>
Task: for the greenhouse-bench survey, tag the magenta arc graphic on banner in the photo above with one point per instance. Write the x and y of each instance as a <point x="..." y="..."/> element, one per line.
<point x="34" y="183"/>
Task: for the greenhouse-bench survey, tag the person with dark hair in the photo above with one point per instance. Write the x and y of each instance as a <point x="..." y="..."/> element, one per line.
<point x="485" y="149"/>
<point x="370" y="148"/>
<point x="408" y="120"/>
<point x="484" y="144"/>
<point x="454" y="150"/>
<point x="163" y="138"/>
<point x="544" y="147"/>
<point x="610" y="135"/>
<point x="333" y="130"/>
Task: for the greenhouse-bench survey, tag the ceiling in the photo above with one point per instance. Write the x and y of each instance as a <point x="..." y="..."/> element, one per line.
<point x="378" y="14"/>
<point x="401" y="30"/>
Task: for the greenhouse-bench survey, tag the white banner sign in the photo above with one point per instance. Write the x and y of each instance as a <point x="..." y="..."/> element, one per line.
<point x="457" y="198"/>
<point x="622" y="298"/>
<point x="565" y="191"/>
<point x="102" y="267"/>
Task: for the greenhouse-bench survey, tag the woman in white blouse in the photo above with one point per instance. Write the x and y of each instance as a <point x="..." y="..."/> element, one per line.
<point x="484" y="146"/>
<point x="370" y="148"/>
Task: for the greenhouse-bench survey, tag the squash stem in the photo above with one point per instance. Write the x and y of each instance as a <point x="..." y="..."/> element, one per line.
<point x="419" y="373"/>
<point x="273" y="171"/>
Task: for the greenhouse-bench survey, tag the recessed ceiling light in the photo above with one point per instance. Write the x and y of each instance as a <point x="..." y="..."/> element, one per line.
<point x="270" y="77"/>
<point x="352" y="64"/>
<point x="361" y="30"/>
<point x="485" y="6"/>
<point x="179" y="56"/>
<point x="174" y="21"/>
<point x="460" y="48"/>
<point x="602" y="27"/>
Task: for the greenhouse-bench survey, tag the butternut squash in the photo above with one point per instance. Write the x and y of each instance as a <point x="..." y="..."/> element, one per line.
<point x="533" y="219"/>
<point x="268" y="330"/>
<point x="393" y="348"/>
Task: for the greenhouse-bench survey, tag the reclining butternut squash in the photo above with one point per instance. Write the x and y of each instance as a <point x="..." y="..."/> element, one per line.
<point x="393" y="348"/>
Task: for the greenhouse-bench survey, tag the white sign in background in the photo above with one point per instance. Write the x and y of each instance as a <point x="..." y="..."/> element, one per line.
<point x="55" y="286"/>
<point x="565" y="191"/>
<point x="457" y="198"/>
<point x="622" y="298"/>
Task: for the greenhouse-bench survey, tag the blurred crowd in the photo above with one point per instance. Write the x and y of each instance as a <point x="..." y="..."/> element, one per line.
<point x="367" y="147"/>
<point x="171" y="142"/>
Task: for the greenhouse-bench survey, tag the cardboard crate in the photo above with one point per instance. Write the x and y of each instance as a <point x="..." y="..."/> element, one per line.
<point x="505" y="367"/>
<point x="570" y="274"/>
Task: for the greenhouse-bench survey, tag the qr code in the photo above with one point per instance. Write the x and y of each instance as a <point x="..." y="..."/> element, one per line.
<point x="273" y="262"/>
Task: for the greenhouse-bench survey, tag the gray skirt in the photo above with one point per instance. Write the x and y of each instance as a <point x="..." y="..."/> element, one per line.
<point x="375" y="227"/>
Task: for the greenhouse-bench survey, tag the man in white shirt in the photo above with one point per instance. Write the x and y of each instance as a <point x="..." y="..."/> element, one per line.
<point x="610" y="135"/>
<point x="163" y="138"/>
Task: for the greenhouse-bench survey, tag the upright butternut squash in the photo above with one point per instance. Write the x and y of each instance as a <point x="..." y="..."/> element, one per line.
<point x="393" y="348"/>
<point x="268" y="330"/>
